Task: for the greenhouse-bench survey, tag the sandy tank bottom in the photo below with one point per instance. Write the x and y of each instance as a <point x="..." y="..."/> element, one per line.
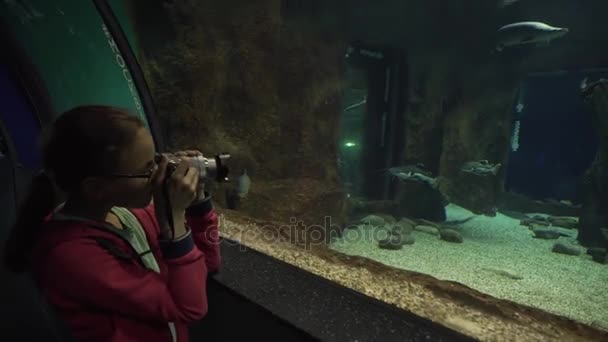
<point x="499" y="257"/>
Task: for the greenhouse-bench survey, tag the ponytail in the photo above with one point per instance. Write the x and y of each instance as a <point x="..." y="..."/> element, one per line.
<point x="40" y="200"/>
<point x="93" y="133"/>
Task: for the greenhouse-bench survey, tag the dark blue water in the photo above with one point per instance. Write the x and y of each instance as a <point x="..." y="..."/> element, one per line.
<point x="17" y="115"/>
<point x="557" y="140"/>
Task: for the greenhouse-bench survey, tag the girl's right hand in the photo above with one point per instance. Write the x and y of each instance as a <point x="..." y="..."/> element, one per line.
<point x="181" y="187"/>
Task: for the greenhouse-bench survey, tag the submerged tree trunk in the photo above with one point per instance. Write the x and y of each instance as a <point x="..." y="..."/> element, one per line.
<point x="594" y="213"/>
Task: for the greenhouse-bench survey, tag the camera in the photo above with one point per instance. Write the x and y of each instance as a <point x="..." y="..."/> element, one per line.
<point x="208" y="168"/>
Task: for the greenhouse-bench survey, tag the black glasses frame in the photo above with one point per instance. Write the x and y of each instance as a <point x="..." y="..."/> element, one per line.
<point x="146" y="174"/>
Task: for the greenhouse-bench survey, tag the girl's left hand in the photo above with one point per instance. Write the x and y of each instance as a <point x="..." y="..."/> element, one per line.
<point x="188" y="153"/>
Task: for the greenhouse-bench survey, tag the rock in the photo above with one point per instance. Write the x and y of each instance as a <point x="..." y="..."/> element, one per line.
<point x="391" y="243"/>
<point x="424" y="222"/>
<point x="396" y="242"/>
<point x="546" y="233"/>
<point x="564" y="248"/>
<point x="567" y="232"/>
<point x="602" y="259"/>
<point x="402" y="228"/>
<point x="564" y="221"/>
<point x="596" y="251"/>
<point x="598" y="254"/>
<point x="427" y="229"/>
<point x="373" y="220"/>
<point x="530" y="221"/>
<point x="408" y="239"/>
<point x="388" y="219"/>
<point x="408" y="221"/>
<point x="540" y="218"/>
<point x="450" y="235"/>
<point x="514" y="214"/>
<point x="542" y="232"/>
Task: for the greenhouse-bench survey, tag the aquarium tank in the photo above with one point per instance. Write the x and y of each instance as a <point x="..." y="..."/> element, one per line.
<point x="448" y="158"/>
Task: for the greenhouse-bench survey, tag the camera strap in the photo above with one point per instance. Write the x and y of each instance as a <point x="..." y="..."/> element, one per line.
<point x="168" y="208"/>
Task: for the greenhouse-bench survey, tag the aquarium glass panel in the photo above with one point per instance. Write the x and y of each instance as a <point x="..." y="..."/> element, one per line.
<point x="74" y="52"/>
<point x="449" y="158"/>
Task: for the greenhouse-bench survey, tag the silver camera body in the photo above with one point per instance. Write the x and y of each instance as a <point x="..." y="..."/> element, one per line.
<point x="208" y="168"/>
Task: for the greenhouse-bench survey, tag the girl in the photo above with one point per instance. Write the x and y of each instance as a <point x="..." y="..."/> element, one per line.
<point x="108" y="259"/>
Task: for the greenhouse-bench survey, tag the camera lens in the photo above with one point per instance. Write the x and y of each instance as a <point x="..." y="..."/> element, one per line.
<point x="220" y="170"/>
<point x="214" y="168"/>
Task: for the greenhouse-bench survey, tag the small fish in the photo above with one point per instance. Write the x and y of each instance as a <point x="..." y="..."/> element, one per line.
<point x="243" y="184"/>
<point x="506" y="3"/>
<point x="584" y="83"/>
<point x="355" y="105"/>
<point x="528" y="32"/>
<point x="480" y="168"/>
<point x="503" y="273"/>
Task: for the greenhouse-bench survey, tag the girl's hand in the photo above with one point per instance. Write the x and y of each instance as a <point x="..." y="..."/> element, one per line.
<point x="181" y="189"/>
<point x="188" y="154"/>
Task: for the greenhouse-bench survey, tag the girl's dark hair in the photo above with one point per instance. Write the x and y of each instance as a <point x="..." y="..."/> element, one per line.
<point x="82" y="142"/>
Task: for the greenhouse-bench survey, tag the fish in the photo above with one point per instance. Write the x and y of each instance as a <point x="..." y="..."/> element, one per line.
<point x="411" y="174"/>
<point x="584" y="83"/>
<point x="419" y="168"/>
<point x="503" y="273"/>
<point x="589" y="88"/>
<point x="461" y="221"/>
<point x="480" y="168"/>
<point x="521" y="98"/>
<point x="528" y="32"/>
<point x="506" y="3"/>
<point x="515" y="136"/>
<point x="358" y="104"/>
<point x="243" y="184"/>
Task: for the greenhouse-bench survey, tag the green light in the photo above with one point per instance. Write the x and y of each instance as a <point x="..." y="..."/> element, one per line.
<point x="350" y="144"/>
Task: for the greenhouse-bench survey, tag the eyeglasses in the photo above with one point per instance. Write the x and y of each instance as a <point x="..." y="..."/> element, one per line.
<point x="146" y="174"/>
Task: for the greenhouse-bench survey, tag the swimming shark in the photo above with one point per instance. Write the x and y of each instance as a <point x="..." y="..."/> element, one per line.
<point x="528" y="32"/>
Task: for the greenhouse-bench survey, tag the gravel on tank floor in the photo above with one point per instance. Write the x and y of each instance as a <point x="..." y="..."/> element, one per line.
<point x="499" y="257"/>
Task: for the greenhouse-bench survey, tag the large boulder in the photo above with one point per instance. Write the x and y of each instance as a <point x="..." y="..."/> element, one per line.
<point x="594" y="214"/>
<point x="420" y="200"/>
